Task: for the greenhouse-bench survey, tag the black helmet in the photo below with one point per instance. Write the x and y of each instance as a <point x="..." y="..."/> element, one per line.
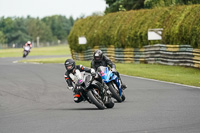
<point x="69" y="65"/>
<point x="98" y="55"/>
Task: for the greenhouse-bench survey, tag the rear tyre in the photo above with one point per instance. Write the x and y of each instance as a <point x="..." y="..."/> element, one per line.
<point x="110" y="104"/>
<point x="123" y="97"/>
<point x="115" y="92"/>
<point x="95" y="100"/>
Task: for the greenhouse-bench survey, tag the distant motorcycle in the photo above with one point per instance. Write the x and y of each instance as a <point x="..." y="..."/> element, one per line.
<point x="92" y="91"/>
<point x="26" y="51"/>
<point x="113" y="83"/>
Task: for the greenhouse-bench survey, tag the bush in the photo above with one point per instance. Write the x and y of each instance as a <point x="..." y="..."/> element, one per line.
<point x="129" y="29"/>
<point x="163" y="3"/>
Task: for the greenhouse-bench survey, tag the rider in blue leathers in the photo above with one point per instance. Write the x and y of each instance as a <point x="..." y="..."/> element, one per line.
<point x="99" y="59"/>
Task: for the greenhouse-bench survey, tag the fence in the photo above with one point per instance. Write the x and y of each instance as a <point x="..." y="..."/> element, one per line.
<point x="181" y="55"/>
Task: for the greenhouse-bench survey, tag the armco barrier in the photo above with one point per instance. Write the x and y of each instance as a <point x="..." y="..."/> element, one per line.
<point x="182" y="55"/>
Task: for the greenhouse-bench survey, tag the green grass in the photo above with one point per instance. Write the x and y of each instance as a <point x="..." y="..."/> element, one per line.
<point x="176" y="74"/>
<point x="45" y="60"/>
<point x="53" y="50"/>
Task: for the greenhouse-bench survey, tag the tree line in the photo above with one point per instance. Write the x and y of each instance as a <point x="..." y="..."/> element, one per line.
<point x="51" y="29"/>
<point x="126" y="5"/>
<point x="19" y="30"/>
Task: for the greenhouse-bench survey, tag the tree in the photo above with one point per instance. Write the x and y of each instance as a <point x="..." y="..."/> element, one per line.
<point x="14" y="30"/>
<point x="19" y="34"/>
<point x="123" y="5"/>
<point x="2" y="38"/>
<point x="37" y="28"/>
<point x="163" y="3"/>
<point x="19" y="30"/>
<point x="6" y="26"/>
<point x="59" y="25"/>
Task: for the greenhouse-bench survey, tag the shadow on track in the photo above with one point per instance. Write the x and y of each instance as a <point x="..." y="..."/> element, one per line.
<point x="72" y="109"/>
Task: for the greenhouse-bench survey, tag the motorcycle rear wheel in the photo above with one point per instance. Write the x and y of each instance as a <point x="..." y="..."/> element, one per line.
<point x="123" y="96"/>
<point x="110" y="104"/>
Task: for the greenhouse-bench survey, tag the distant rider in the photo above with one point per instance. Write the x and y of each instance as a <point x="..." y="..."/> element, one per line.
<point x="99" y="59"/>
<point x="72" y="72"/>
<point x="29" y="44"/>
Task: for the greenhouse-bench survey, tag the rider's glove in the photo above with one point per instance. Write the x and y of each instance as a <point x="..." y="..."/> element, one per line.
<point x="71" y="88"/>
<point x="113" y="69"/>
<point x="93" y="72"/>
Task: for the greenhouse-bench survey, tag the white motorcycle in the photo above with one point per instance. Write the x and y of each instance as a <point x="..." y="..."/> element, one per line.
<point x="26" y="51"/>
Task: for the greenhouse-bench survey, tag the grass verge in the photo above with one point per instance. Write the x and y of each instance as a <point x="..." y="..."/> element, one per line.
<point x="176" y="74"/>
<point x="52" y="50"/>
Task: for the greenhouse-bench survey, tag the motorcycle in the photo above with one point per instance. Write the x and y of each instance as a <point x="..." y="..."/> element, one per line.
<point x="113" y="83"/>
<point x="26" y="51"/>
<point x="92" y="91"/>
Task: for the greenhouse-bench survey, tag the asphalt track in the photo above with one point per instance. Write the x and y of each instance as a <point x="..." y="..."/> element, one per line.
<point x="34" y="99"/>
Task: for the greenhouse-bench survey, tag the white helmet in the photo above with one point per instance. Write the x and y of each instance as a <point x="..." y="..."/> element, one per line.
<point x="28" y="42"/>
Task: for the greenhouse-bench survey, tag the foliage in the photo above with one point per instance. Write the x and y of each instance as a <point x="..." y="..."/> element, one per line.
<point x="37" y="28"/>
<point x="126" y="5"/>
<point x="123" y="5"/>
<point x="129" y="29"/>
<point x="163" y="3"/>
<point x="18" y="30"/>
<point x="6" y="26"/>
<point x="59" y="25"/>
<point x="2" y="38"/>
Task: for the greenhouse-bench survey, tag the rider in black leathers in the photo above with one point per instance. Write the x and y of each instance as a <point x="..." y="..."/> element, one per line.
<point x="99" y="59"/>
<point x="74" y="71"/>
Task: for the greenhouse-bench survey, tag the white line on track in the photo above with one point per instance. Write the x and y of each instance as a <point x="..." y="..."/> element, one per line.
<point x="15" y="61"/>
<point x="135" y="77"/>
<point x="27" y="62"/>
<point x="161" y="81"/>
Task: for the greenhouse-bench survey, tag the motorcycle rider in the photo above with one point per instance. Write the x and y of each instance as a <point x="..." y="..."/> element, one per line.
<point x="74" y="71"/>
<point x="28" y="44"/>
<point x="99" y="59"/>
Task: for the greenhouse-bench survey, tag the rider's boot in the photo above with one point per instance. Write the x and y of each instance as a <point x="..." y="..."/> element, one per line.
<point x="106" y="88"/>
<point x="107" y="93"/>
<point x="124" y="86"/>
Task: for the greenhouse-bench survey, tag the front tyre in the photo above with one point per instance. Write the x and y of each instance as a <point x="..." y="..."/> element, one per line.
<point x="95" y="100"/>
<point x="24" y="54"/>
<point x="115" y="91"/>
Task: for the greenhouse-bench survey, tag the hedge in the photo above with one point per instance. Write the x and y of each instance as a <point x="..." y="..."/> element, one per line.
<point x="129" y="29"/>
<point x="163" y="3"/>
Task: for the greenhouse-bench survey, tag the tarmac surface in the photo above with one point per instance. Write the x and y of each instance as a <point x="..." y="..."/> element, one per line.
<point x="34" y="99"/>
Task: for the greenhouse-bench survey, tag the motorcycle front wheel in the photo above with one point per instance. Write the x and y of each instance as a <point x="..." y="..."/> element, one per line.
<point x="24" y="54"/>
<point x="95" y="99"/>
<point x="115" y="92"/>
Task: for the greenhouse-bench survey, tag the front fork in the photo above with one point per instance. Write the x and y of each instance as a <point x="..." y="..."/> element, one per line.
<point x="118" y="84"/>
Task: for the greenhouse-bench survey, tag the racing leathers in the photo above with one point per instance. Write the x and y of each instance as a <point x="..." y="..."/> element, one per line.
<point x="105" y="61"/>
<point x="30" y="45"/>
<point x="72" y="77"/>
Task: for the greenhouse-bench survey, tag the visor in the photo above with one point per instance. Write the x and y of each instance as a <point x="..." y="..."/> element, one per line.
<point x="97" y="58"/>
<point x="69" y="67"/>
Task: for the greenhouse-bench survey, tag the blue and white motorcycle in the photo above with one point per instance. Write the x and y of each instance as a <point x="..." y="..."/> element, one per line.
<point x="113" y="83"/>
